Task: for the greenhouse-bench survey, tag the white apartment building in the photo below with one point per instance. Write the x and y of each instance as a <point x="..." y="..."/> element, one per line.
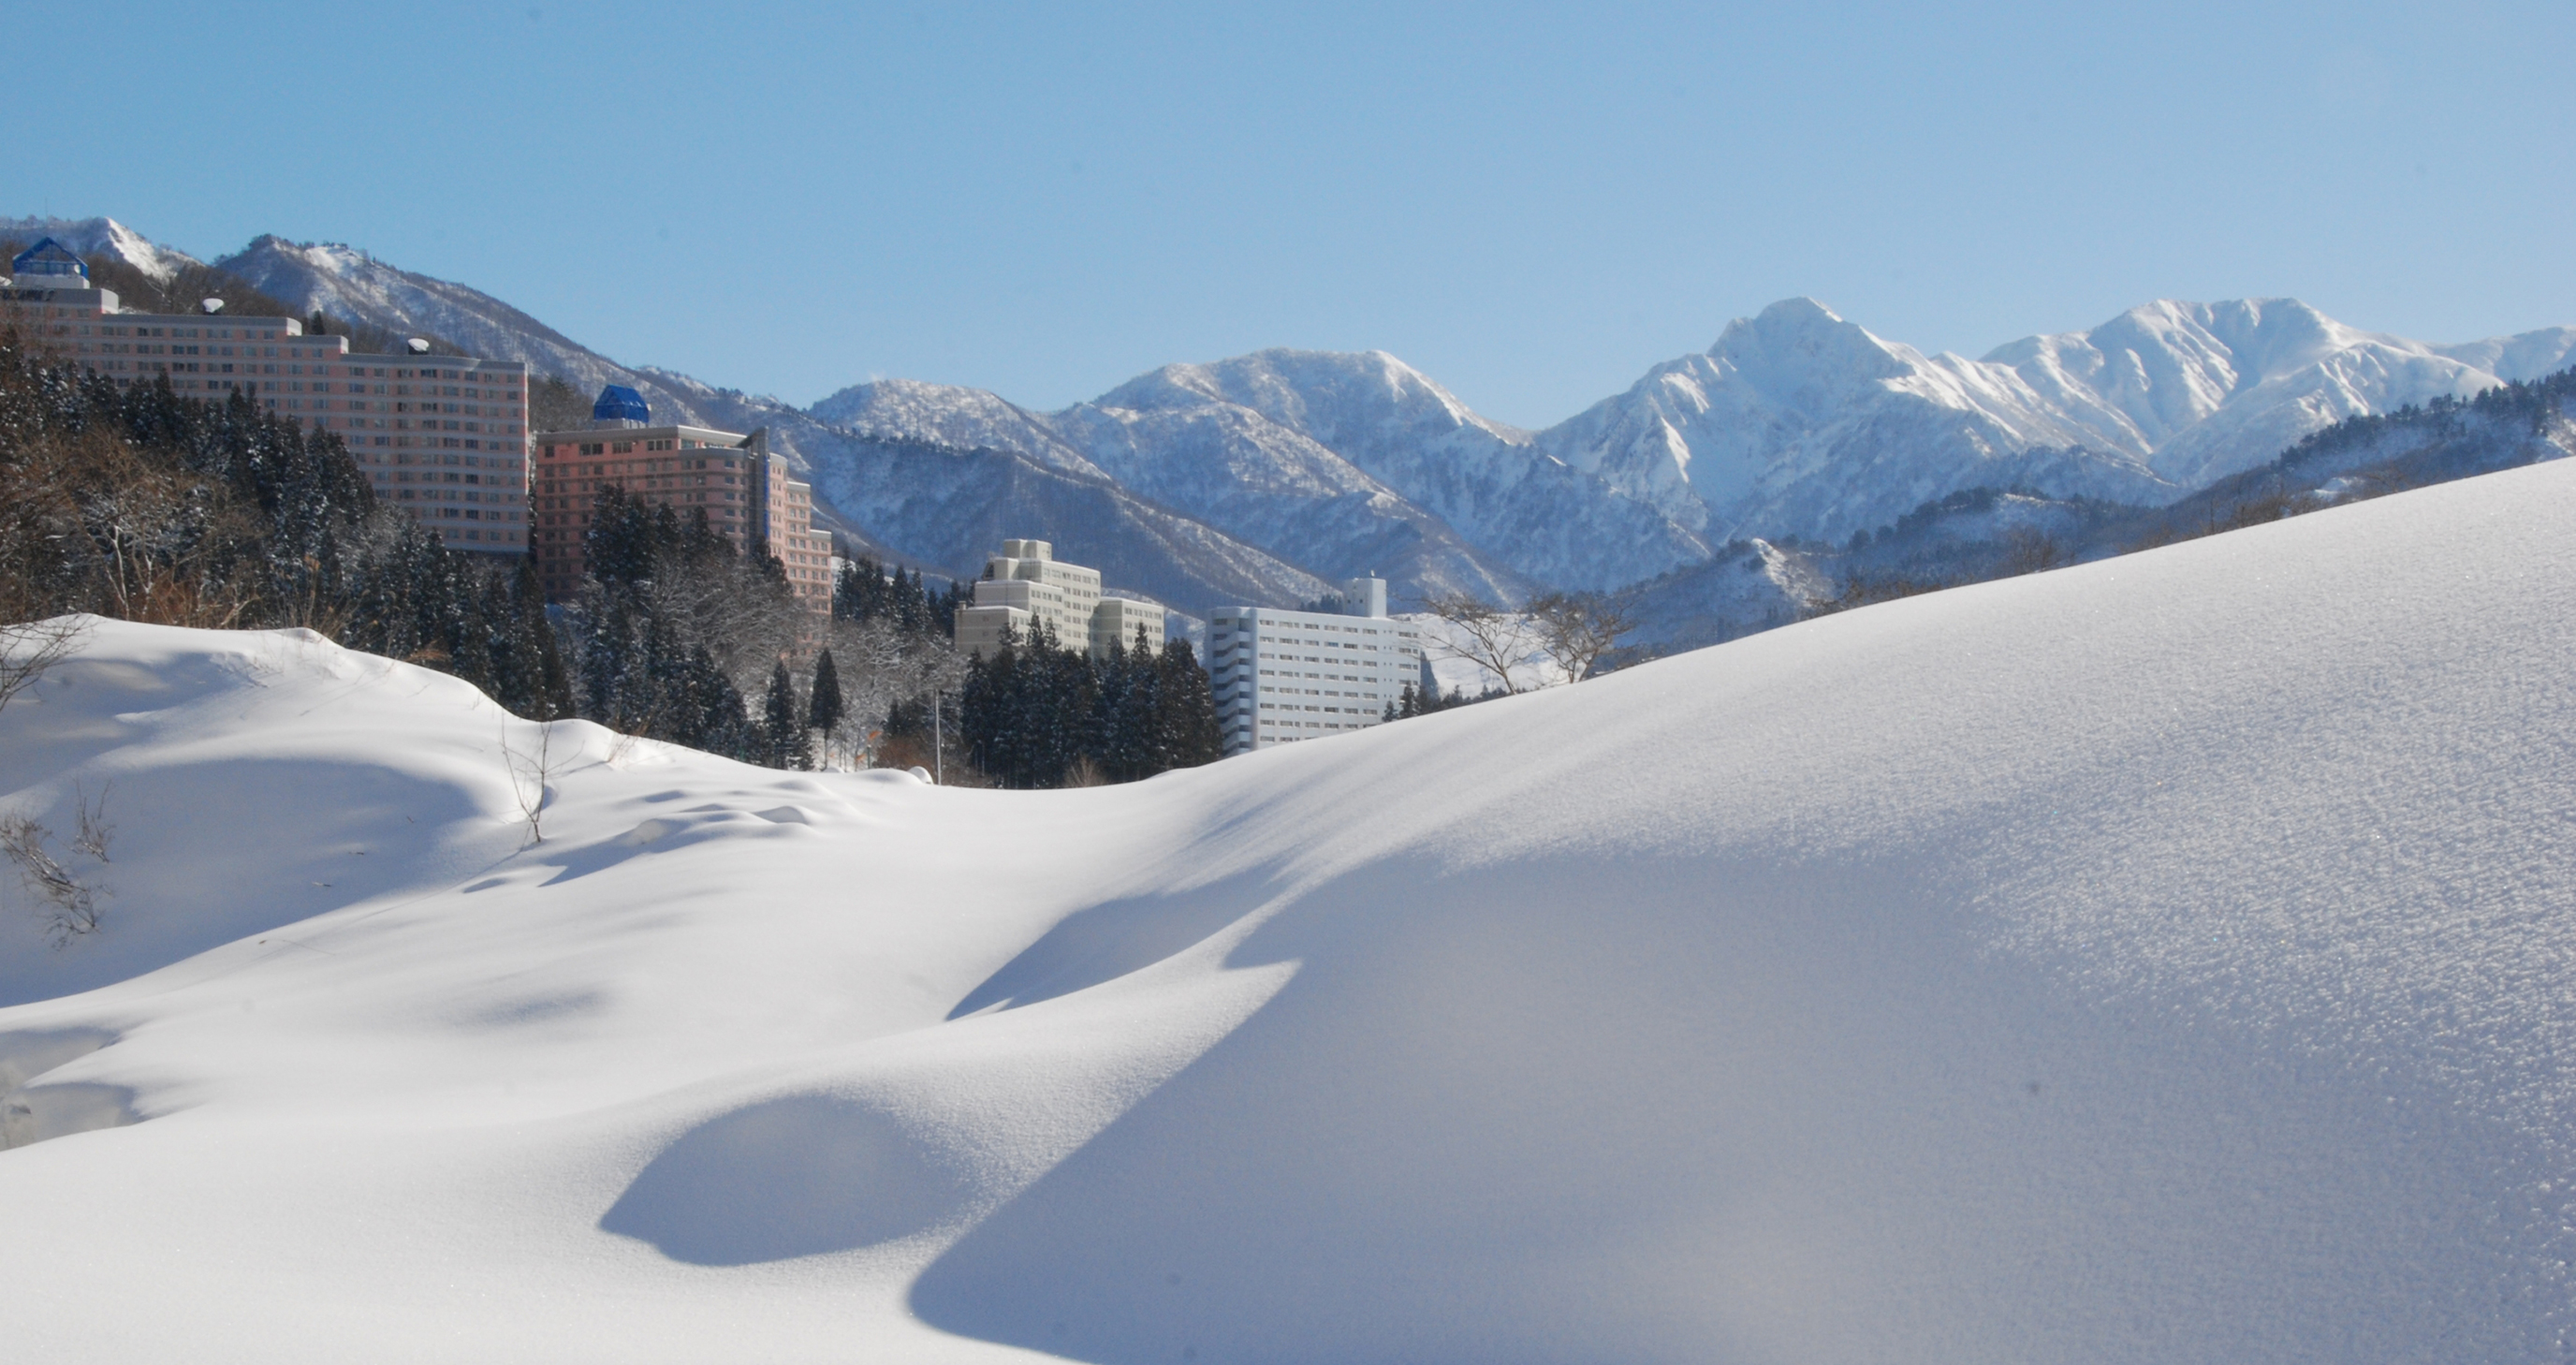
<point x="445" y="437"/>
<point x="1026" y="584"/>
<point x="1282" y="676"/>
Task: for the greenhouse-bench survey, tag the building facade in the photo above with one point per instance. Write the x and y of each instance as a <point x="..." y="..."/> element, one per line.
<point x="744" y="490"/>
<point x="1284" y="676"/>
<point x="1026" y="584"/>
<point x="444" y="437"/>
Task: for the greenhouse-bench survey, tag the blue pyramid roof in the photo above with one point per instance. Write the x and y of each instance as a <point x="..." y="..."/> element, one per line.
<point x="48" y="258"/>
<point x="618" y="403"/>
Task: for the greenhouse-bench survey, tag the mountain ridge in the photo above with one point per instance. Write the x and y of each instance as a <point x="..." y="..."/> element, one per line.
<point x="1273" y="472"/>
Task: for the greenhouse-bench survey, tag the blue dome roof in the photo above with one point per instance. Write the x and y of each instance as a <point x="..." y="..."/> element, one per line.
<point x="48" y="259"/>
<point x="618" y="403"/>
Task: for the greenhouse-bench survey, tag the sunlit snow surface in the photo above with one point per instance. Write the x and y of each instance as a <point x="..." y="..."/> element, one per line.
<point x="2166" y="959"/>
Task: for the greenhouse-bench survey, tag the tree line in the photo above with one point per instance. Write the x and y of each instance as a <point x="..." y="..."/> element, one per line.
<point x="1037" y="714"/>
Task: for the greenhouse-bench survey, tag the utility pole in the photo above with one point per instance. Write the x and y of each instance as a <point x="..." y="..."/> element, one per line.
<point x="938" y="742"/>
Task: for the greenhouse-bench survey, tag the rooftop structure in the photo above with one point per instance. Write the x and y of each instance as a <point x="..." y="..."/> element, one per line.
<point x="620" y="406"/>
<point x="48" y="265"/>
<point x="1026" y="586"/>
<point x="1284" y="676"/>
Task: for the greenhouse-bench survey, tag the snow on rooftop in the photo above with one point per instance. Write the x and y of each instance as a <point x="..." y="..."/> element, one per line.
<point x="2160" y="959"/>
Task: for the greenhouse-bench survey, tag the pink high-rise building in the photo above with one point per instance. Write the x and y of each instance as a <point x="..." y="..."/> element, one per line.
<point x="742" y="488"/>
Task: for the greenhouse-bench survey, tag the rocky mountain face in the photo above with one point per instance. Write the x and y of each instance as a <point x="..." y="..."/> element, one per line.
<point x="1265" y="477"/>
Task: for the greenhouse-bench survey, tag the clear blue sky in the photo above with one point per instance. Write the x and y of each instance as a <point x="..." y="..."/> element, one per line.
<point x="1530" y="205"/>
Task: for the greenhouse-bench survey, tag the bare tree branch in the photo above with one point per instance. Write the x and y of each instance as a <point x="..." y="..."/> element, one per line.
<point x="75" y="910"/>
<point x="28" y="648"/>
<point x="1482" y="633"/>
<point x="1577" y="628"/>
<point x="95" y="828"/>
<point x="531" y="772"/>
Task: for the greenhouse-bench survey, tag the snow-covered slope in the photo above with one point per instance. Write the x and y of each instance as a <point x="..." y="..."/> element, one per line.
<point x="99" y="237"/>
<point x="2115" y="964"/>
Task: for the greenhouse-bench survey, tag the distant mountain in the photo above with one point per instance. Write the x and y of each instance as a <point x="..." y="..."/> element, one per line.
<point x="1266" y="477"/>
<point x="2202" y="391"/>
<point x="1977" y="534"/>
<point x="1503" y="495"/>
<point x="1797" y="422"/>
<point x="1351" y="460"/>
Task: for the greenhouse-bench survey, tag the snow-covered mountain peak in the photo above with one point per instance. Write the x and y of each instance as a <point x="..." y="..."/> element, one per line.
<point x="2203" y="390"/>
<point x="1317" y="393"/>
<point x="913" y="400"/>
<point x="337" y="259"/>
<point x="1798" y="350"/>
<point x="1395" y="429"/>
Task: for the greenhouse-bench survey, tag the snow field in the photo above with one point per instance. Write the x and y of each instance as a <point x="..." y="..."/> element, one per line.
<point x="2165" y="958"/>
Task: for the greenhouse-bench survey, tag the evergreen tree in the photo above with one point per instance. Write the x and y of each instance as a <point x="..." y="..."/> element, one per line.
<point x="1122" y="725"/>
<point x="860" y="593"/>
<point x="782" y="725"/>
<point x="823" y="705"/>
<point x="944" y="608"/>
<point x="1186" y="733"/>
<point x="988" y="711"/>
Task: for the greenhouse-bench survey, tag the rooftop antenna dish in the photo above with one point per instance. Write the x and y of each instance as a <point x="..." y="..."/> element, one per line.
<point x="418" y="345"/>
<point x="211" y="306"/>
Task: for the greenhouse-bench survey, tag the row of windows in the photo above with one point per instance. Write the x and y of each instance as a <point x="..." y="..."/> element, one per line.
<point x="503" y="384"/>
<point x="651" y="467"/>
<point x="503" y="469"/>
<point x="202" y="333"/>
<point x="297" y="385"/>
<point x="427" y="391"/>
<point x="628" y="448"/>
<point x="406" y="476"/>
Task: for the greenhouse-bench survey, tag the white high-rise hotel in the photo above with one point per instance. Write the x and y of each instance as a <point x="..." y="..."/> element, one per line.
<point x="1026" y="584"/>
<point x="1283" y="676"/>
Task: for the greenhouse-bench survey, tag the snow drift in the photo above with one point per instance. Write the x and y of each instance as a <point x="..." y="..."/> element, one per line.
<point x="2162" y="959"/>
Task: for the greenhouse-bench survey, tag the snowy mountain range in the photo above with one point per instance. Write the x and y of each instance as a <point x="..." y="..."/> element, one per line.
<point x="1266" y="476"/>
